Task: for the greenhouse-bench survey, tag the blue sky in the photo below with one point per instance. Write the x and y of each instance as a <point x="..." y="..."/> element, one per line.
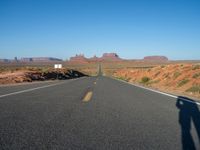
<point x="131" y="28"/>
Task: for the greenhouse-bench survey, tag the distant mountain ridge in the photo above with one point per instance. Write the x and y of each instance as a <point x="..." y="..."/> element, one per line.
<point x="112" y="57"/>
<point x="31" y="59"/>
<point x="105" y="57"/>
<point x="80" y="58"/>
<point x="155" y="58"/>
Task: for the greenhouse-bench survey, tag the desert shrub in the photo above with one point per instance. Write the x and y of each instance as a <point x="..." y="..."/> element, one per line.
<point x="194" y="89"/>
<point x="194" y="67"/>
<point x="156" y="81"/>
<point x="162" y="66"/>
<point x="176" y="74"/>
<point x="145" y="79"/>
<point x="44" y="70"/>
<point x="182" y="82"/>
<point x="196" y="75"/>
<point x="128" y="79"/>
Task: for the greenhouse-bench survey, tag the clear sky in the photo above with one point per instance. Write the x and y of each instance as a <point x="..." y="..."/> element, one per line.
<point x="131" y="28"/>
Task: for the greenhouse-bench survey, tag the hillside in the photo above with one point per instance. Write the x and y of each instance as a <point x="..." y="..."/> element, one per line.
<point x="178" y="78"/>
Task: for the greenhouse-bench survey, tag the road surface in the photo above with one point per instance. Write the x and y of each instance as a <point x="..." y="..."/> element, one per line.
<point x="95" y="113"/>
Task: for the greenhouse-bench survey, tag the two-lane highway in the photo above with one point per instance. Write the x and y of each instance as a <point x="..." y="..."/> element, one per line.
<point x="95" y="113"/>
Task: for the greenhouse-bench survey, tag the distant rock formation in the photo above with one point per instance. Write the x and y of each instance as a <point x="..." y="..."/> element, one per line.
<point x="95" y="58"/>
<point x="105" y="57"/>
<point x="155" y="58"/>
<point x="79" y="59"/>
<point x="111" y="57"/>
<point x="39" y="59"/>
<point x="4" y="60"/>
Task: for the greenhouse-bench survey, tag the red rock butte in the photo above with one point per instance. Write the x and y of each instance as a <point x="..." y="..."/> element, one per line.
<point x="105" y="57"/>
<point x="109" y="57"/>
<point x="79" y="59"/>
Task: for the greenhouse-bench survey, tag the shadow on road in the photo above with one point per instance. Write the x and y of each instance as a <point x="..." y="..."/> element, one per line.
<point x="188" y="113"/>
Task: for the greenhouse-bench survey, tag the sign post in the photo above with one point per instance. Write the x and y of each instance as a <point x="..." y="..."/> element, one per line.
<point x="57" y="66"/>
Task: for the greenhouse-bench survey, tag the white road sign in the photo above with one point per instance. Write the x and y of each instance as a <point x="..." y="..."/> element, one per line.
<point x="57" y="66"/>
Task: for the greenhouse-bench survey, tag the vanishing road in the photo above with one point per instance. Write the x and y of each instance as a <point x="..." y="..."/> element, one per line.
<point x="95" y="113"/>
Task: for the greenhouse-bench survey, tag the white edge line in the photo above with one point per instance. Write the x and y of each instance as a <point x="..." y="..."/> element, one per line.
<point x="163" y="93"/>
<point x="33" y="89"/>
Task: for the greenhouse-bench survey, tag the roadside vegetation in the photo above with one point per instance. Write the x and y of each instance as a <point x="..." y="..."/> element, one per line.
<point x="179" y="78"/>
<point x="182" y="82"/>
<point x="194" y="89"/>
<point x="145" y="80"/>
<point x="177" y="74"/>
<point x="196" y="67"/>
<point x="196" y="75"/>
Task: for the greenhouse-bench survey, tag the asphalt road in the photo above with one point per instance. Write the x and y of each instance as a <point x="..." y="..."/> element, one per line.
<point x="116" y="116"/>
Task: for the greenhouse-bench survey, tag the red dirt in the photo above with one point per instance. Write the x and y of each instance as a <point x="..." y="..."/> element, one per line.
<point x="174" y="78"/>
<point x="34" y="74"/>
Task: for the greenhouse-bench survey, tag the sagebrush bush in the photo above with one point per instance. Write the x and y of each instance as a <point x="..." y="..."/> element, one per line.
<point x="145" y="79"/>
<point x="162" y="66"/>
<point x="182" y="82"/>
<point x="194" y="67"/>
<point x="176" y="74"/>
<point x="194" y="89"/>
<point x="196" y="75"/>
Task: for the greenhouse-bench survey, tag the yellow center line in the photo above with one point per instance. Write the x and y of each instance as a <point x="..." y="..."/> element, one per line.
<point x="88" y="96"/>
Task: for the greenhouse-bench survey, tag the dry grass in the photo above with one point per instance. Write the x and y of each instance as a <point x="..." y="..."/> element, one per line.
<point x="194" y="89"/>
<point x="183" y="82"/>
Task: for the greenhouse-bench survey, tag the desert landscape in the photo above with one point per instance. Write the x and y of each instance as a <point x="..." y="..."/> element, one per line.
<point x="180" y="79"/>
<point x="100" y="74"/>
<point x="157" y="72"/>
